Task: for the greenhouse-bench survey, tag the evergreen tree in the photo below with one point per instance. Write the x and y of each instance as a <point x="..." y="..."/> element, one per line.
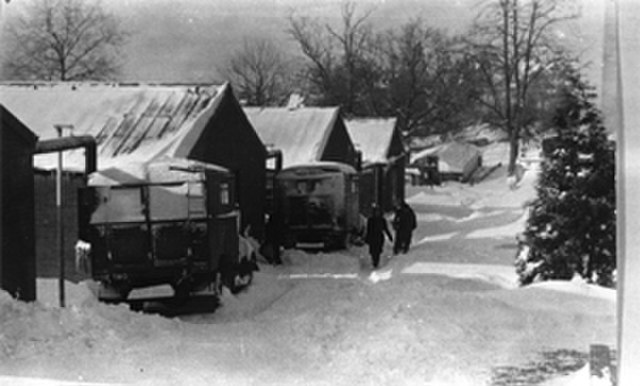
<point x="572" y="225"/>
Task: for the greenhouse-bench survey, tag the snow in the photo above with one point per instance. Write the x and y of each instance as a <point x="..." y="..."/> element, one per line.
<point x="446" y="313"/>
<point x="581" y="378"/>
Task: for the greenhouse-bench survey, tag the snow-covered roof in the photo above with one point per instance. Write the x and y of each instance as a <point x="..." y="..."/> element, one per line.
<point x="8" y="121"/>
<point x="481" y="131"/>
<point x="301" y="133"/>
<point x="163" y="169"/>
<point x="452" y="156"/>
<point x="125" y="119"/>
<point x="338" y="166"/>
<point x="372" y="136"/>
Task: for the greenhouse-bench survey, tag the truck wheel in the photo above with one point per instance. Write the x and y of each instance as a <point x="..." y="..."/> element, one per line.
<point x="181" y="294"/>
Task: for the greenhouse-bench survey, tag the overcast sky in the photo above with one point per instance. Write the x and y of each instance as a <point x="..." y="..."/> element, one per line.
<point x="188" y="40"/>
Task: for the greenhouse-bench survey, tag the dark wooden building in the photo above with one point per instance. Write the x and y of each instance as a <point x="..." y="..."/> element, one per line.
<point x="383" y="162"/>
<point x="17" y="233"/>
<point x="136" y="122"/>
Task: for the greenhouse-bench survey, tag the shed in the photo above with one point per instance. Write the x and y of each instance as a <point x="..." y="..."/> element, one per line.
<point x="304" y="134"/>
<point x="140" y="121"/>
<point x="383" y="161"/>
<point x="17" y="229"/>
<point x="456" y="160"/>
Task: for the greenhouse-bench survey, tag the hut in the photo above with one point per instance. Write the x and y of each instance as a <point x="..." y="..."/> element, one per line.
<point x="17" y="229"/>
<point x="302" y="135"/>
<point x="383" y="161"/>
<point x="201" y="122"/>
<point x="455" y="160"/>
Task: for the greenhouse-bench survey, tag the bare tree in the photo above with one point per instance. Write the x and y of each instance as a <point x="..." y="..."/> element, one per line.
<point x="513" y="46"/>
<point x="339" y="60"/>
<point x="428" y="81"/>
<point x="260" y="72"/>
<point x="64" y="40"/>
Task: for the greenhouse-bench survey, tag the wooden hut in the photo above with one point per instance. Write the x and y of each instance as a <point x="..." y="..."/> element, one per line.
<point x="17" y="232"/>
<point x="143" y="122"/>
<point x="383" y="161"/>
<point x="304" y="134"/>
<point x="455" y="160"/>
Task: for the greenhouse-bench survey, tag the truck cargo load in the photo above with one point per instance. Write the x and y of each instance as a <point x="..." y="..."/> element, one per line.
<point x="169" y="221"/>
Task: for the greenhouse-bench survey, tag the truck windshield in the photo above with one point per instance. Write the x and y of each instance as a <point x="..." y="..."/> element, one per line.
<point x="118" y="205"/>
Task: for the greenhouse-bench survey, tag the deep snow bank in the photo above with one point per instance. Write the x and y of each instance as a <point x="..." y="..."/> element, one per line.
<point x="41" y="339"/>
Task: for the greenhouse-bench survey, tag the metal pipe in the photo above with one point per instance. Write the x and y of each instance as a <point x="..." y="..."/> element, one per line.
<point x="69" y="143"/>
<point x="277" y="156"/>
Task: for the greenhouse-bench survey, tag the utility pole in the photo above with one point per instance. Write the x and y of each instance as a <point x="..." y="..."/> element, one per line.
<point x="59" y="220"/>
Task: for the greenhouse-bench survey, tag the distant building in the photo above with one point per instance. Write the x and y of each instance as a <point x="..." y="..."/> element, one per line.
<point x="17" y="233"/>
<point x="455" y="160"/>
<point x="383" y="160"/>
<point x="138" y="122"/>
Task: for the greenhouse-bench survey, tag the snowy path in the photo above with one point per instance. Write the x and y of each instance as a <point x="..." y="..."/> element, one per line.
<point x="446" y="313"/>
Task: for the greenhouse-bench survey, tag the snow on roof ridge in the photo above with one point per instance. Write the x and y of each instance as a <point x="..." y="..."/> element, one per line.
<point x="196" y="87"/>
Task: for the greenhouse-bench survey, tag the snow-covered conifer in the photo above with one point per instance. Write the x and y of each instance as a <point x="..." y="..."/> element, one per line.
<point x="571" y="227"/>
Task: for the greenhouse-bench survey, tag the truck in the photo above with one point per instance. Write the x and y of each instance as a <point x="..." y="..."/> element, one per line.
<point x="318" y="203"/>
<point x="169" y="222"/>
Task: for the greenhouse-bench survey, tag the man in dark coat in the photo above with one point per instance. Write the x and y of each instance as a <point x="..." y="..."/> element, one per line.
<point x="376" y="229"/>
<point x="404" y="222"/>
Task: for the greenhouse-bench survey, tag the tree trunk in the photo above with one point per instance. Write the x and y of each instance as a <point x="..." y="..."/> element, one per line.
<point x="514" y="148"/>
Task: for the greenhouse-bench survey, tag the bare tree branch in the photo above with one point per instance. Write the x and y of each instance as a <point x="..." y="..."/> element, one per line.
<point x="64" y="40"/>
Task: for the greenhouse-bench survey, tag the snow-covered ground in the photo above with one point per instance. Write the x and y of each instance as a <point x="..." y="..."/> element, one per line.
<point x="447" y="313"/>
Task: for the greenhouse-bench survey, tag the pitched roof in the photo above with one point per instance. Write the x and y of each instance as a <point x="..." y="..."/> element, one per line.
<point x="301" y="134"/>
<point x="452" y="156"/>
<point x="373" y="137"/>
<point x="125" y="119"/>
<point x="8" y="121"/>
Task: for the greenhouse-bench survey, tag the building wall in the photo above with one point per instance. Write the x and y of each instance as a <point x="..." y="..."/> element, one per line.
<point x="229" y="140"/>
<point x="17" y="254"/>
<point x="339" y="147"/>
<point x="386" y="189"/>
<point x="47" y="252"/>
<point x="390" y="188"/>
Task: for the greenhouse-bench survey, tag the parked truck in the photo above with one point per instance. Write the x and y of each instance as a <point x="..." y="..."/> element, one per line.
<point x="170" y="221"/>
<point x="319" y="204"/>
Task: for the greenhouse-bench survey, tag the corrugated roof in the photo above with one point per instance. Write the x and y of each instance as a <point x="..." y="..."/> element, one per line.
<point x="372" y="136"/>
<point x="301" y="134"/>
<point x="124" y="119"/>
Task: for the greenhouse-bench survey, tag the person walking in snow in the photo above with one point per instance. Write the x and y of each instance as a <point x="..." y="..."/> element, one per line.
<point x="376" y="230"/>
<point x="404" y="223"/>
